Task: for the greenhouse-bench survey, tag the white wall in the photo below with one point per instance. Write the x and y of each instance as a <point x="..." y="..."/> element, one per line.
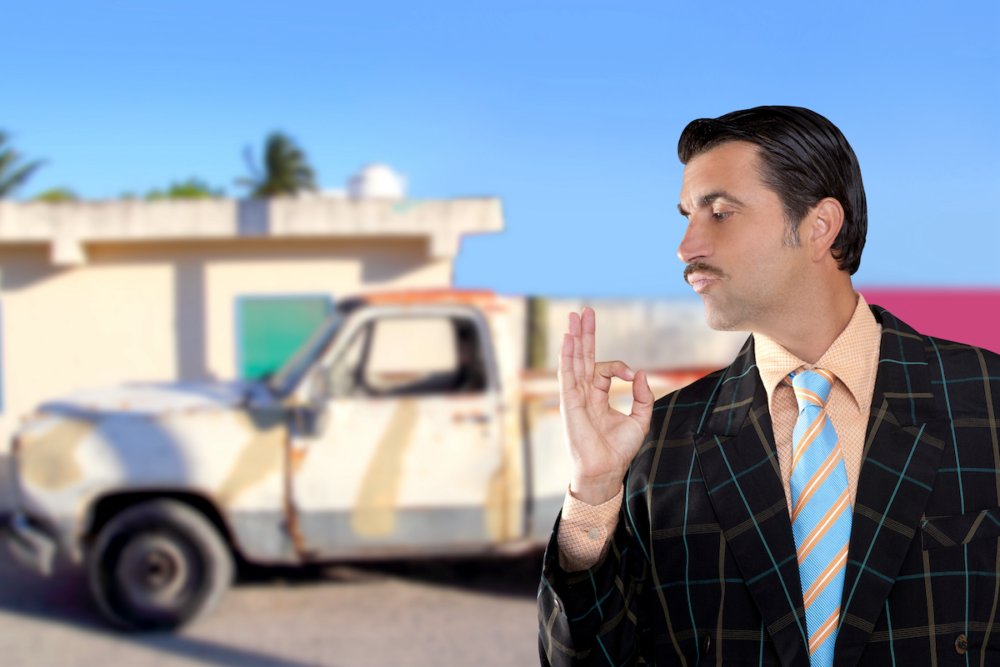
<point x="647" y="333"/>
<point x="166" y="311"/>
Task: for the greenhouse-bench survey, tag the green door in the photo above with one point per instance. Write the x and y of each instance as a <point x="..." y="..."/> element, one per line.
<point x="272" y="328"/>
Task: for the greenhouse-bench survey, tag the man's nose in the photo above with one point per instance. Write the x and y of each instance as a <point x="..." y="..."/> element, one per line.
<point x="694" y="245"/>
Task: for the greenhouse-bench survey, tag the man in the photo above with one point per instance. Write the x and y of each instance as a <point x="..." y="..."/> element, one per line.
<point x="831" y="498"/>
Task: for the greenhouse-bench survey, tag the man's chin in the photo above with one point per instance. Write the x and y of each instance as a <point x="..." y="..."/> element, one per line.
<point x="721" y="319"/>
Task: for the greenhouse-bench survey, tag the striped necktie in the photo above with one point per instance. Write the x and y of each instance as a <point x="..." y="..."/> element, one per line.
<point x="821" y="514"/>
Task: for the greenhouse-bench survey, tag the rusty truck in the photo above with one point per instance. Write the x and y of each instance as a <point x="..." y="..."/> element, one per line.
<point x="408" y="426"/>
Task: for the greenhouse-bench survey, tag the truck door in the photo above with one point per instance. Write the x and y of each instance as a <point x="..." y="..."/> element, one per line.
<point x="409" y="459"/>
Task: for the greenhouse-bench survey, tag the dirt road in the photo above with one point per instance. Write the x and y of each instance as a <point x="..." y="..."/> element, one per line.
<point x="435" y="614"/>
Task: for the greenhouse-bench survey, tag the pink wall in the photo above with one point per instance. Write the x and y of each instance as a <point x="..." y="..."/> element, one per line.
<point x="964" y="315"/>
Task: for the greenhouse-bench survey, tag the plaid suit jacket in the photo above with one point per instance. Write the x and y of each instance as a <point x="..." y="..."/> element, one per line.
<point x="702" y="567"/>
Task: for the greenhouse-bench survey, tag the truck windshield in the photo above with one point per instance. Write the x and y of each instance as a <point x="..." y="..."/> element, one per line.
<point x="287" y="377"/>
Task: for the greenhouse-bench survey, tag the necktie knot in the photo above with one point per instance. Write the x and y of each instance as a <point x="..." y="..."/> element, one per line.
<point x="812" y="387"/>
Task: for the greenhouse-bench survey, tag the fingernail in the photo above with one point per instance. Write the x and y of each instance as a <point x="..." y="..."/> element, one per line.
<point x="629" y="373"/>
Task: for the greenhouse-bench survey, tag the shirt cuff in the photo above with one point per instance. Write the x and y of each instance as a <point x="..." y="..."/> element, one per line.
<point x="585" y="531"/>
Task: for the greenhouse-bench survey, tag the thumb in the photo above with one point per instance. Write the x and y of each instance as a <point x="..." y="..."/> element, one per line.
<point x="642" y="400"/>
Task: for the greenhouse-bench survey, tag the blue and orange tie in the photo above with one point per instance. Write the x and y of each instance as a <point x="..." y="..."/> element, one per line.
<point x="821" y="514"/>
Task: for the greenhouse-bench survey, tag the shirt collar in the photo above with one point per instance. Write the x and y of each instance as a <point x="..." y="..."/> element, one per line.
<point x="851" y="357"/>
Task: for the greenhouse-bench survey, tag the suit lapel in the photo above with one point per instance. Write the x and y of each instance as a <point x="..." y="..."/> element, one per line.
<point x="735" y="450"/>
<point x="902" y="451"/>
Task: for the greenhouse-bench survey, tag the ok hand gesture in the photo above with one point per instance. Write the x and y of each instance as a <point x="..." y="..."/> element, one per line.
<point x="601" y="441"/>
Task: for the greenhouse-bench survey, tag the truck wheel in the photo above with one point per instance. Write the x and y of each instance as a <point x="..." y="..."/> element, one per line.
<point x="158" y="565"/>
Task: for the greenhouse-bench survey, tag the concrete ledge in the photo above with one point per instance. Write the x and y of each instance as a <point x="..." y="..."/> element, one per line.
<point x="69" y="226"/>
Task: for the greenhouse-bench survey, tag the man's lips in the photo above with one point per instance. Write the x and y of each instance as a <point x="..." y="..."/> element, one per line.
<point x="700" y="276"/>
<point x="701" y="281"/>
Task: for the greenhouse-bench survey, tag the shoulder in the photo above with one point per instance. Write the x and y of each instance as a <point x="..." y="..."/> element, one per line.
<point x="965" y="376"/>
<point x="942" y="355"/>
<point x="962" y="377"/>
<point x="951" y="356"/>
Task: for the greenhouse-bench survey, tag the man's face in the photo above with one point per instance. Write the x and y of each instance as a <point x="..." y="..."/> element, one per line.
<point x="737" y="260"/>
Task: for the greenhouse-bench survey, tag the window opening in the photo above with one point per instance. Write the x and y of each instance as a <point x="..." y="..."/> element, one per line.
<point x="405" y="356"/>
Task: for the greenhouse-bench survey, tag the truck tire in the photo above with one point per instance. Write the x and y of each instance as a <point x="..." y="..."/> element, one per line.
<point x="158" y="565"/>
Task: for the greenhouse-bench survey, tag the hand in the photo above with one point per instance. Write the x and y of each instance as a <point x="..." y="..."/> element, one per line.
<point x="601" y="441"/>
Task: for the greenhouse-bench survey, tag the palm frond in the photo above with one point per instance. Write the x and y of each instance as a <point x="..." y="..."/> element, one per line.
<point x="13" y="173"/>
<point x="286" y="170"/>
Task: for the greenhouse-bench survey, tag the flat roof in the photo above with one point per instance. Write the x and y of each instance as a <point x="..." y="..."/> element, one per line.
<point x="69" y="226"/>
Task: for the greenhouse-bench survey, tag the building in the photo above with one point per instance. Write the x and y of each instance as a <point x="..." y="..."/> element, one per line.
<point x="94" y="293"/>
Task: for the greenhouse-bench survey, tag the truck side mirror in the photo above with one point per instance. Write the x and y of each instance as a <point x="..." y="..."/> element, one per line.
<point x="309" y="420"/>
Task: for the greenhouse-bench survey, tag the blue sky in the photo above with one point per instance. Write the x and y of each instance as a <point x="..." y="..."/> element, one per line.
<point x="568" y="111"/>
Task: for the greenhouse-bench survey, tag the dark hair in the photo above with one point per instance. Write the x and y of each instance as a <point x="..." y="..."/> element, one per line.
<point x="804" y="158"/>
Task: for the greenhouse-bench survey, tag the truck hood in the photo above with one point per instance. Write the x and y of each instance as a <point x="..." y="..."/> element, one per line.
<point x="156" y="399"/>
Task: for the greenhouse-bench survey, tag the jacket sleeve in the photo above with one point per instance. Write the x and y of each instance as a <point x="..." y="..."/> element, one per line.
<point x="596" y="616"/>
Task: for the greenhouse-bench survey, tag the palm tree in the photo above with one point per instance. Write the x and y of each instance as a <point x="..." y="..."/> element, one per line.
<point x="12" y="174"/>
<point x="286" y="170"/>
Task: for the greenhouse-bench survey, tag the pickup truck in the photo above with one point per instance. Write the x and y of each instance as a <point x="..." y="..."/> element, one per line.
<point x="407" y="426"/>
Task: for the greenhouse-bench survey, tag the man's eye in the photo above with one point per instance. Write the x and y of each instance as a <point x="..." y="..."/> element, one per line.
<point x="721" y="215"/>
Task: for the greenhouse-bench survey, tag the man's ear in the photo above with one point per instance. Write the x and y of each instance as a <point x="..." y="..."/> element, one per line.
<point x="826" y="219"/>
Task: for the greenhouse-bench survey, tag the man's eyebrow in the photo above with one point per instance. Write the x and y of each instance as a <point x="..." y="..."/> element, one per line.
<point x="709" y="199"/>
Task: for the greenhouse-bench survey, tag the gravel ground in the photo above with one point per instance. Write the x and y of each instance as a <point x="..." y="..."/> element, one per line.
<point x="469" y="612"/>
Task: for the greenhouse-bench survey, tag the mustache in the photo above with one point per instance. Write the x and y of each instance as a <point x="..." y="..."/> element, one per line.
<point x="704" y="269"/>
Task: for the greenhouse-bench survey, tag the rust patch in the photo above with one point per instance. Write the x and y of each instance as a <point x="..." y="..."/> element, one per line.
<point x="296" y="457"/>
<point x="292" y="467"/>
<point x="263" y="454"/>
<point x="294" y="531"/>
<point x="495" y="512"/>
<point x="420" y="297"/>
<point x="49" y="459"/>
<point x="374" y="513"/>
